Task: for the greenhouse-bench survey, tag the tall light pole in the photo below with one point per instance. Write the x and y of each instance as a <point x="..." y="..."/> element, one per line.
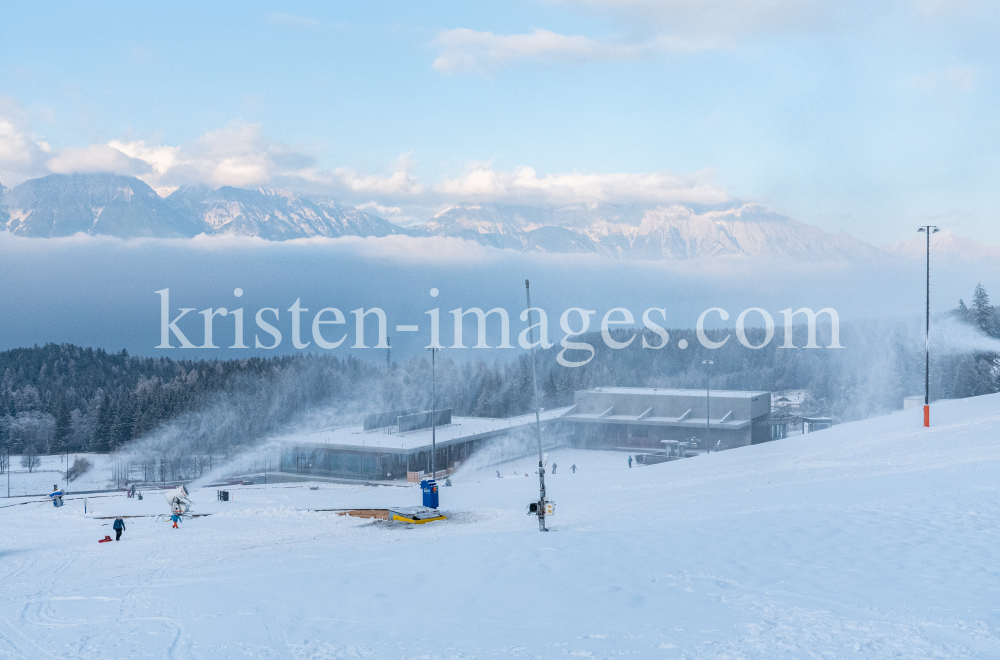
<point x="928" y="230"/>
<point x="708" y="401"/>
<point x="433" y="351"/>
<point x="538" y="423"/>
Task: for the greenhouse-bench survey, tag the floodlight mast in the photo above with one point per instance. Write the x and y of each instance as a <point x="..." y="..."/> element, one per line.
<point x="928" y="229"/>
<point x="538" y="421"/>
<point x="433" y="466"/>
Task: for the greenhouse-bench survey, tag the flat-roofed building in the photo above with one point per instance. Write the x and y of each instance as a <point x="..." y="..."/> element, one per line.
<point x="397" y="450"/>
<point x="643" y="417"/>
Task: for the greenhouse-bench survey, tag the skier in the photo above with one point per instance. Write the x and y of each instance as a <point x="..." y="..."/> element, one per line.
<point x="119" y="527"/>
<point x="176" y="518"/>
<point x="573" y="468"/>
<point x="630" y="461"/>
<point x="554" y="466"/>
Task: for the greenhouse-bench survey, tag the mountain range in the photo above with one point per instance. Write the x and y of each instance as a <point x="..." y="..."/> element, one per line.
<point x="124" y="206"/>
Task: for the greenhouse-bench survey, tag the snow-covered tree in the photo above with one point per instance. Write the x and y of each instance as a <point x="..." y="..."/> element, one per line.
<point x="29" y="458"/>
<point x="982" y="314"/>
<point x="974" y="378"/>
<point x="962" y="312"/>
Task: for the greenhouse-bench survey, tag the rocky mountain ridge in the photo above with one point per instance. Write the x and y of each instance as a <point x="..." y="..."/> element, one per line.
<point x="124" y="206"/>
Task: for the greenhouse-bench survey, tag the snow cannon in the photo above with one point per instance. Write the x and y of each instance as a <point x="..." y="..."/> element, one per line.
<point x="179" y="500"/>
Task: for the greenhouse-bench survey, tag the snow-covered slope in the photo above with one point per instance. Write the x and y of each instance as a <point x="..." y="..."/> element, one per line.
<point x="875" y="539"/>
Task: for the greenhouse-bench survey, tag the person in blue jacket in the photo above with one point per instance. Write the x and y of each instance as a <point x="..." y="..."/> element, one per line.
<point x="119" y="527"/>
<point x="176" y="518"/>
<point x="630" y="461"/>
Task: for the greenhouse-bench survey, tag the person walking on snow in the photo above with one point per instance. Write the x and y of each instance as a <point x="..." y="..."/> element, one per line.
<point x="630" y="461"/>
<point x="176" y="518"/>
<point x="573" y="468"/>
<point x="119" y="527"/>
<point x="554" y="466"/>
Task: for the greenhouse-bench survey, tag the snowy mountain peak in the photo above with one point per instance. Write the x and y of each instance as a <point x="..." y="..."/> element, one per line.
<point x="102" y="203"/>
<point x="630" y="231"/>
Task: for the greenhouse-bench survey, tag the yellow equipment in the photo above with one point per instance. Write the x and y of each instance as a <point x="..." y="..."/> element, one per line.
<point x="417" y="515"/>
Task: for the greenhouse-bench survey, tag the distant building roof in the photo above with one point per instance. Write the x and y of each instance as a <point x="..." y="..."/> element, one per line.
<point x="461" y="429"/>
<point x="661" y="391"/>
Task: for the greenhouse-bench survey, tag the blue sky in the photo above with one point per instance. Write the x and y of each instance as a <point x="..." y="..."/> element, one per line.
<point x="871" y="120"/>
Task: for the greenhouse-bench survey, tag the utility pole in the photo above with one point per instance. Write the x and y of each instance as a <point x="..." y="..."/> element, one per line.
<point x="538" y="422"/>
<point x="708" y="401"/>
<point x="928" y="230"/>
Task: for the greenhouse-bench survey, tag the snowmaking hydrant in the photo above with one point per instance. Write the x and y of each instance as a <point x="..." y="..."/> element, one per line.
<point x="179" y="500"/>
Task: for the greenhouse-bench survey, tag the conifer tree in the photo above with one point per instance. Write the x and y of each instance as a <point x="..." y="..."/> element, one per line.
<point x="982" y="313"/>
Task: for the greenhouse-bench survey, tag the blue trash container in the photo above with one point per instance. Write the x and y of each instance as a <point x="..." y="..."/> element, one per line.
<point x="430" y="490"/>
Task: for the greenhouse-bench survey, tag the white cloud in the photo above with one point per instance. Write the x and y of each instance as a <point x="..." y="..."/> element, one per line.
<point x="160" y="158"/>
<point x="657" y="26"/>
<point x="718" y="18"/>
<point x="21" y="157"/>
<point x="952" y="79"/>
<point x="523" y="185"/>
<point x="398" y="183"/>
<point x="465" y="50"/>
<point x="96" y="158"/>
<point x="394" y="214"/>
<point x="241" y="155"/>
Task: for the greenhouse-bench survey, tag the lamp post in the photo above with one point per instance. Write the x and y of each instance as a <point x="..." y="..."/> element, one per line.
<point x="708" y="401"/>
<point x="928" y="230"/>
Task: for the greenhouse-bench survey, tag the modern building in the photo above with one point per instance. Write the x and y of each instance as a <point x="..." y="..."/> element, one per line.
<point x="396" y="451"/>
<point x="643" y="418"/>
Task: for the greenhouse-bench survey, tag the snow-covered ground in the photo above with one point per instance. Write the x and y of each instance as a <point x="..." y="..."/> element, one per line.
<point x="53" y="471"/>
<point x="877" y="539"/>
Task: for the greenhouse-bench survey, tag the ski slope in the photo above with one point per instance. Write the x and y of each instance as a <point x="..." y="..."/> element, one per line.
<point x="876" y="539"/>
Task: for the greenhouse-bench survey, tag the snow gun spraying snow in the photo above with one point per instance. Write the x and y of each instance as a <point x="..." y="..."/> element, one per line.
<point x="179" y="500"/>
